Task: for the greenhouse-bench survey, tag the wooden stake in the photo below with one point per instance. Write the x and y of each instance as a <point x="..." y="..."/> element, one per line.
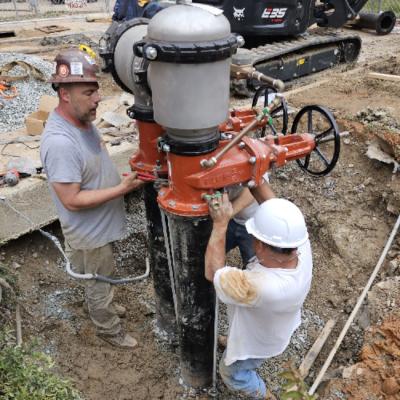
<point x="316" y="348"/>
<point x="385" y="77"/>
<point x="18" y="323"/>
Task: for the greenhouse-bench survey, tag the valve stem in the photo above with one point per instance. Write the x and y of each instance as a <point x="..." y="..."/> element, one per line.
<point x="211" y="162"/>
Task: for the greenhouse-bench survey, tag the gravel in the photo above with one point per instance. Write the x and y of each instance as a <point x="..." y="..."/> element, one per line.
<point x="72" y="39"/>
<point x="378" y="117"/>
<point x="55" y="303"/>
<point x="14" y="112"/>
<point x="131" y="251"/>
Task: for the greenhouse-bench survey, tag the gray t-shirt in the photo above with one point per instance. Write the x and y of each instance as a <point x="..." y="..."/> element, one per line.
<point x="72" y="155"/>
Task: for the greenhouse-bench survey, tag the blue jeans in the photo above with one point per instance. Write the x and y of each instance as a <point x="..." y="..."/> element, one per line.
<point x="242" y="376"/>
<point x="151" y="9"/>
<point x="237" y="235"/>
<point x="125" y="10"/>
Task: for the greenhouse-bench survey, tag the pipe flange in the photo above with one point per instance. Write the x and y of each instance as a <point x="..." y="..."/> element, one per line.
<point x="191" y="149"/>
<point x="188" y="53"/>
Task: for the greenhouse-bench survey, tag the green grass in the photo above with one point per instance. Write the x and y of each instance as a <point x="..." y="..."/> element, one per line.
<point x="393" y="5"/>
<point x="25" y="372"/>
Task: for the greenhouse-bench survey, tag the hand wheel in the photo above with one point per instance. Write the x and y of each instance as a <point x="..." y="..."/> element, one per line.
<point x="319" y="122"/>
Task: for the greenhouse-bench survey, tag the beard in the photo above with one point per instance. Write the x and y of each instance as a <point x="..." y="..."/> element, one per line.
<point x="88" y="116"/>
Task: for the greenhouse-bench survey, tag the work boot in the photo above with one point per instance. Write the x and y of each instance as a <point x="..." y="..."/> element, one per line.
<point x="119" y="310"/>
<point x="121" y="339"/>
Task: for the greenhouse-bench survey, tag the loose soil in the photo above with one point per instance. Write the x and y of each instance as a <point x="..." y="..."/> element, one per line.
<point x="352" y="93"/>
<point x="349" y="223"/>
<point x="376" y="374"/>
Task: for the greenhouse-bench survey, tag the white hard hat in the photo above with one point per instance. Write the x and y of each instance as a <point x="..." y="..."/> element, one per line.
<point x="279" y="223"/>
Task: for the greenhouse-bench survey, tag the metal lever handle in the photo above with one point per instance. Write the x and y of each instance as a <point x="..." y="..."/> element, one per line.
<point x="207" y="163"/>
<point x="249" y="72"/>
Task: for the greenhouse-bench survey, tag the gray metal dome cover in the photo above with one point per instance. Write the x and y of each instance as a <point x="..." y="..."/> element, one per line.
<point x="188" y="23"/>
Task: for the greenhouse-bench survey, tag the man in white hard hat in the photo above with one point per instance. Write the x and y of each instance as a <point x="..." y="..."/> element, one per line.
<point x="263" y="301"/>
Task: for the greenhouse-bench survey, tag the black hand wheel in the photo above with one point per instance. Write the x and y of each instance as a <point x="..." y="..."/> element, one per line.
<point x="280" y="114"/>
<point x="319" y="122"/>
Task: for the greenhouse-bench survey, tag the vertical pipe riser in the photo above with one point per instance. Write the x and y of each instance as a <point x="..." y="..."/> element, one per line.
<point x="195" y="298"/>
<point x="165" y="312"/>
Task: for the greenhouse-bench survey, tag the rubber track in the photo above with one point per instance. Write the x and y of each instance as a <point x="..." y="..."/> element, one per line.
<point x="305" y="42"/>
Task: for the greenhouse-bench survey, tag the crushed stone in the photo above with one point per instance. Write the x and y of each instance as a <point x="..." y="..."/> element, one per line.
<point x="14" y="112"/>
<point x="73" y="39"/>
<point x="378" y="116"/>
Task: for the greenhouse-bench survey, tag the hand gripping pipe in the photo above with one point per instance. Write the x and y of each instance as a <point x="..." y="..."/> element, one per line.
<point x="68" y="267"/>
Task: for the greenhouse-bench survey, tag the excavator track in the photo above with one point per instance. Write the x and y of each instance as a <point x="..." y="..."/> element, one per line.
<point x="304" y="55"/>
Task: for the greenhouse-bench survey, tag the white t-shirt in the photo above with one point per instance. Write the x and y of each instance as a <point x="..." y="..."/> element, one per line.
<point x="264" y="306"/>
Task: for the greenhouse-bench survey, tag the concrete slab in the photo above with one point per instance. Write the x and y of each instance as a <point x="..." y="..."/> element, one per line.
<point x="32" y="198"/>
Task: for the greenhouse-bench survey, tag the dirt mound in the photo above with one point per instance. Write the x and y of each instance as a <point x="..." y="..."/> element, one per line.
<point x="376" y="376"/>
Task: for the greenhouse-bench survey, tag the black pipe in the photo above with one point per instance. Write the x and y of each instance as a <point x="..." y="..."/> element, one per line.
<point x="195" y="298"/>
<point x="165" y="312"/>
<point x="383" y="23"/>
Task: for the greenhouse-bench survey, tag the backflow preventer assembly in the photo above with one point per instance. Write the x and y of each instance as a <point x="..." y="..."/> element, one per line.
<point x="178" y="66"/>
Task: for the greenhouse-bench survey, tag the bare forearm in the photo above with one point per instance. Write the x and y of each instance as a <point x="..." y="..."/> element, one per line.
<point x="74" y="198"/>
<point x="215" y="253"/>
<point x="263" y="193"/>
<point x="93" y="198"/>
<point x="244" y="200"/>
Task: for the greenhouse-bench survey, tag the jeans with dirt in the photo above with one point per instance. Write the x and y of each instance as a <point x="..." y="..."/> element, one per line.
<point x="99" y="295"/>
<point x="237" y="235"/>
<point x="242" y="376"/>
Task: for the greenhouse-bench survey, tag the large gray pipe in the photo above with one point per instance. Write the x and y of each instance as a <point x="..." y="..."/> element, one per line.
<point x="189" y="50"/>
<point x="383" y="23"/>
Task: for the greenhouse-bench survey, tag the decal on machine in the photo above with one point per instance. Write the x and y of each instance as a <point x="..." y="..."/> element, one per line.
<point x="275" y="15"/>
<point x="238" y="13"/>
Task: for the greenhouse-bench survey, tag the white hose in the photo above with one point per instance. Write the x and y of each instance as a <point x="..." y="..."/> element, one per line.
<point x="170" y="266"/>
<point x="68" y="267"/>
<point x="214" y="392"/>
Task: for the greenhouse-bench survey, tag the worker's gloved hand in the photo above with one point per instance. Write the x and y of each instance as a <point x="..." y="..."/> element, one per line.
<point x="131" y="182"/>
<point x="220" y="209"/>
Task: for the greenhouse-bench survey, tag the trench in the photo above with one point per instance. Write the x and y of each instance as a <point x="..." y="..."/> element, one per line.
<point x="349" y="222"/>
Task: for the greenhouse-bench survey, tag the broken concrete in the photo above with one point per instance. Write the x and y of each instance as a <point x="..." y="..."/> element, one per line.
<point x="32" y="198"/>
